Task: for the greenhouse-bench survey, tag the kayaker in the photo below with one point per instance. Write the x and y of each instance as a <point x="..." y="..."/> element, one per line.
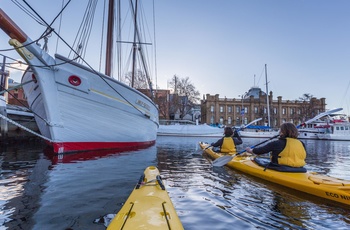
<point x="227" y="144"/>
<point x="287" y="150"/>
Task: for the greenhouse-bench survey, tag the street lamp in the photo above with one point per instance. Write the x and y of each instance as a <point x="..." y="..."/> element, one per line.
<point x="242" y="109"/>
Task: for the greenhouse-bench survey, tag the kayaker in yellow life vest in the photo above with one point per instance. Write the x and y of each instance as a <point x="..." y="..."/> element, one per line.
<point x="287" y="150"/>
<point x="227" y="144"/>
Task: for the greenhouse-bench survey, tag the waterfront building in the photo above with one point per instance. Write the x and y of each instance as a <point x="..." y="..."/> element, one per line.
<point x="253" y="105"/>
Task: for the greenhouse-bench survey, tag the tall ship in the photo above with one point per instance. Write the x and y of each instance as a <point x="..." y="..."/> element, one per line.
<point x="78" y="108"/>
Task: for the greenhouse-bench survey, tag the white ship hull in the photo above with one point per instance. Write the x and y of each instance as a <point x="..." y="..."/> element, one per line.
<point x="258" y="134"/>
<point x="337" y="132"/>
<point x="99" y="113"/>
<point x="75" y="107"/>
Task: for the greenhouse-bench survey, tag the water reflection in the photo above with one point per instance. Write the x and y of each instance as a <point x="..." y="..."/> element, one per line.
<point x="23" y="170"/>
<point x="43" y="191"/>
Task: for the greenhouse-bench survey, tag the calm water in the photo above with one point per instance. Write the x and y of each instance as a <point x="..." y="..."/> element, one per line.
<point x="74" y="191"/>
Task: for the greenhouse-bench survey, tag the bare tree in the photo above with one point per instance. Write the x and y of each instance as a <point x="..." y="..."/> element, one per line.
<point x="185" y="94"/>
<point x="140" y="80"/>
<point x="163" y="104"/>
<point x="307" y="106"/>
<point x="306" y="97"/>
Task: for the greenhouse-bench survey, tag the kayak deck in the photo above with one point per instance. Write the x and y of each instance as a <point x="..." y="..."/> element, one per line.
<point x="330" y="188"/>
<point x="148" y="206"/>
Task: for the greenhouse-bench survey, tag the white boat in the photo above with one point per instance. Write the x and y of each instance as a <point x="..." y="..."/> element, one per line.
<point x="310" y="131"/>
<point x="188" y="129"/>
<point x="256" y="133"/>
<point x="78" y="108"/>
<point x="337" y="132"/>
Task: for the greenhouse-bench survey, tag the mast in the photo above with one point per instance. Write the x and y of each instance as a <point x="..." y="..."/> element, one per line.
<point x="134" y="47"/>
<point x="109" y="42"/>
<point x="267" y="97"/>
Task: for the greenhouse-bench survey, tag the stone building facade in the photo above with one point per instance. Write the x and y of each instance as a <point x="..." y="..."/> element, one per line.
<point x="253" y="105"/>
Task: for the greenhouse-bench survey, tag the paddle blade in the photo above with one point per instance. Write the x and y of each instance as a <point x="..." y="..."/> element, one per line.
<point x="198" y="152"/>
<point x="221" y="161"/>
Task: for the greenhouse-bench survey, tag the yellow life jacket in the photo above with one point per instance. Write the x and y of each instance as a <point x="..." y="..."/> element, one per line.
<point x="293" y="154"/>
<point x="228" y="145"/>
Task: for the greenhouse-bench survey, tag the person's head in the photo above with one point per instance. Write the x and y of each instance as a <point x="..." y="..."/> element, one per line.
<point x="228" y="131"/>
<point x="289" y="130"/>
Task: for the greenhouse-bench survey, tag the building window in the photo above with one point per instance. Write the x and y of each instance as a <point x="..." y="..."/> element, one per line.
<point x="245" y="109"/>
<point x="229" y="109"/>
<point x="299" y="111"/>
<point x="238" y="109"/>
<point x="229" y="120"/>
<point x="221" y="109"/>
<point x="221" y="120"/>
<point x="265" y="110"/>
<point x="211" y="108"/>
<point x="291" y="111"/>
<point x="256" y="110"/>
<point x="245" y="120"/>
<point x="274" y="110"/>
<point x="284" y="111"/>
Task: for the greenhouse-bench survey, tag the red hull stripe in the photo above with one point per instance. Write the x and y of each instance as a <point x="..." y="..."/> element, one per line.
<point x="88" y="146"/>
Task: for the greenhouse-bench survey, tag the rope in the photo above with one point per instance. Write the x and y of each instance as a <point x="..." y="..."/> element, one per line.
<point x="25" y="128"/>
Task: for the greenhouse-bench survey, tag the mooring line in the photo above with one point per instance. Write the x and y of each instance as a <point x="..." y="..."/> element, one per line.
<point x="25" y="128"/>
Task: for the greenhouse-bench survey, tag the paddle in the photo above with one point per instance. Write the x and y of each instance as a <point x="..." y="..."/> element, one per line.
<point x="245" y="126"/>
<point x="200" y="151"/>
<point x="225" y="159"/>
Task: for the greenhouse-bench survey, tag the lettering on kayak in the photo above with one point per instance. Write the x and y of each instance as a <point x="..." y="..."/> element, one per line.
<point x="344" y="197"/>
<point x="332" y="194"/>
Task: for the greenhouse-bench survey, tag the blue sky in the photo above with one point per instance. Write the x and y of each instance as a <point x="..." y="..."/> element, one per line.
<point x="221" y="44"/>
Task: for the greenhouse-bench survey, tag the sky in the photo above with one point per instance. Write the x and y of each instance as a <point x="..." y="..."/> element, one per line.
<point x="223" y="45"/>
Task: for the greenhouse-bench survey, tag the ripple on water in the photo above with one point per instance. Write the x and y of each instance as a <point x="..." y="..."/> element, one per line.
<point x="73" y="195"/>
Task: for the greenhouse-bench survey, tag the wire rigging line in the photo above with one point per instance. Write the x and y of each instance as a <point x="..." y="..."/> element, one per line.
<point x="77" y="54"/>
<point x="37" y="19"/>
<point x="84" y="30"/>
<point x="59" y="27"/>
<point x="102" y="35"/>
<point x="155" y="45"/>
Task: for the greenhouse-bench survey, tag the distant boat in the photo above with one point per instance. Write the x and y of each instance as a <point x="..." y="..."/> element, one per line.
<point x="258" y="132"/>
<point x="312" y="128"/>
<point x="78" y="108"/>
<point x="188" y="129"/>
<point x="336" y="132"/>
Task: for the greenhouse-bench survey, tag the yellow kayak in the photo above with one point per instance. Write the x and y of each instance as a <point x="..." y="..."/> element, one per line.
<point x="330" y="188"/>
<point x="148" y="206"/>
